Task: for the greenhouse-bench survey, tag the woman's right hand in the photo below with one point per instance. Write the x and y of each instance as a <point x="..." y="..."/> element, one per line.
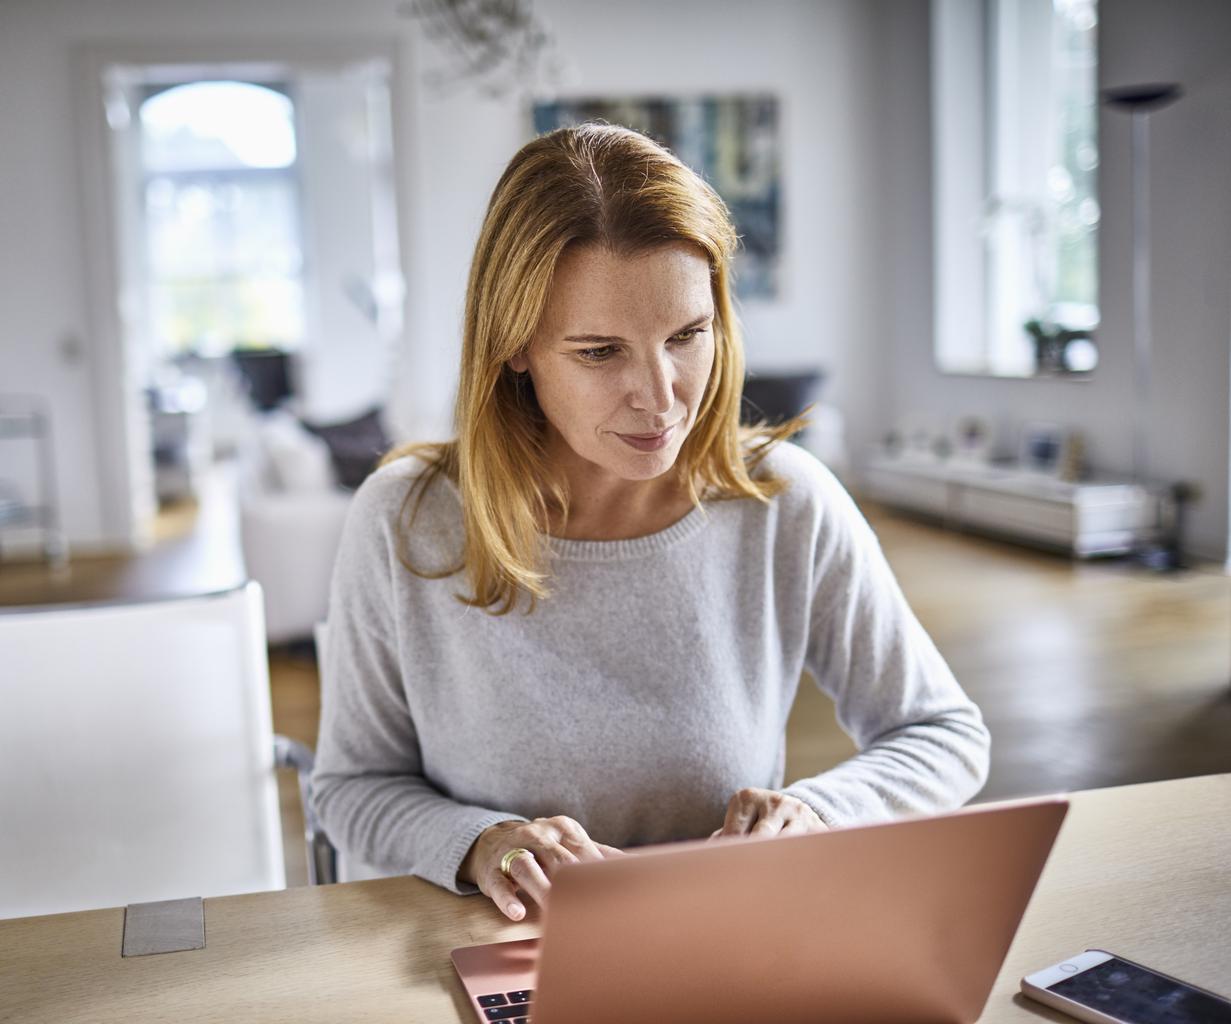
<point x="551" y="842"/>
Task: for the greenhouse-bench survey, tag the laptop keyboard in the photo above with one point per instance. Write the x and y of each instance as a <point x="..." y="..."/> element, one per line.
<point x="509" y="1007"/>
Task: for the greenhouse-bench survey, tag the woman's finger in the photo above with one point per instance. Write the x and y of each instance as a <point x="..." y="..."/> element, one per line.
<point x="798" y="826"/>
<point x="574" y="838"/>
<point x="551" y="857"/>
<point x="609" y="851"/>
<point x="808" y="818"/>
<point x="529" y="877"/>
<point x="741" y="815"/>
<point x="502" y="892"/>
<point x="770" y="822"/>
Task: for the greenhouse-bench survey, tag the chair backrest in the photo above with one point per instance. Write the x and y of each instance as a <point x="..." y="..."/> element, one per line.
<point x="136" y="754"/>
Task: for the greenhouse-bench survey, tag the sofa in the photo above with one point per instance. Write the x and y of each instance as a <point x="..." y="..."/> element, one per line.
<point x="293" y="500"/>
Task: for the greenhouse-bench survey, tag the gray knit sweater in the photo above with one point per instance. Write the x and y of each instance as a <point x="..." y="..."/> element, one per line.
<point x="653" y="683"/>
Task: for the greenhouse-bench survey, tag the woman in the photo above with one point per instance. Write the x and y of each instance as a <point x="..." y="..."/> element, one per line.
<point x="580" y="626"/>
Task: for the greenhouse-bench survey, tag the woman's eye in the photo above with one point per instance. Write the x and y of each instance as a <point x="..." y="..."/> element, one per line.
<point x="597" y="355"/>
<point x="686" y="336"/>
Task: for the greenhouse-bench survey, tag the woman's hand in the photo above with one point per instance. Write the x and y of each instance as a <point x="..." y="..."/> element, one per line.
<point x="766" y="812"/>
<point x="551" y="842"/>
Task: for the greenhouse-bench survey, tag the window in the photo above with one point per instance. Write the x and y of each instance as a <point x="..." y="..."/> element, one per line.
<point x="1016" y="203"/>
<point x="1072" y="179"/>
<point x="223" y="250"/>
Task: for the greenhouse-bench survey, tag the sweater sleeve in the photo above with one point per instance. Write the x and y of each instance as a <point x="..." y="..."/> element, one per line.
<point x="369" y="785"/>
<point x="923" y="747"/>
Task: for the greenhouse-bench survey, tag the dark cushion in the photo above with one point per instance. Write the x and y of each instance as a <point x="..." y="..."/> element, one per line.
<point x="354" y="446"/>
<point x="266" y="375"/>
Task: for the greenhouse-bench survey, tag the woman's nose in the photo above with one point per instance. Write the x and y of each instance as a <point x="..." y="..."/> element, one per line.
<point x="652" y="389"/>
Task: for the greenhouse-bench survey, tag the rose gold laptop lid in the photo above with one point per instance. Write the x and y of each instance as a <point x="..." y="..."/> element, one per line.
<point x="907" y="921"/>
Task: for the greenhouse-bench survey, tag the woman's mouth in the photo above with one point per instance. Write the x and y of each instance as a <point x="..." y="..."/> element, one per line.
<point x="648" y="442"/>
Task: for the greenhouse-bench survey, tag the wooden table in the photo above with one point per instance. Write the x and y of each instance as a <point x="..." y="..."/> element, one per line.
<point x="1142" y="870"/>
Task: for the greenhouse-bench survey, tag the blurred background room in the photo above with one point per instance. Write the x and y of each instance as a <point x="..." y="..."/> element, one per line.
<point x="988" y="241"/>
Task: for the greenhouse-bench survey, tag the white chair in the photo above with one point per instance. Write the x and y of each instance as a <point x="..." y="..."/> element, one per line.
<point x="136" y="754"/>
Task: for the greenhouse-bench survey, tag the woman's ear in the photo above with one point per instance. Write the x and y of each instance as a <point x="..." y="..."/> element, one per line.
<point x="519" y="363"/>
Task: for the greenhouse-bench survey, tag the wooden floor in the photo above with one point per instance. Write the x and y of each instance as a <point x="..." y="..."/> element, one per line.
<point x="1089" y="674"/>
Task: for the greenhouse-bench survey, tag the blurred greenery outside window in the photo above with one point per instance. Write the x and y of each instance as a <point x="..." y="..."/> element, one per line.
<point x="223" y="242"/>
<point x="1072" y="180"/>
<point x="1016" y="207"/>
<point x="1043" y="159"/>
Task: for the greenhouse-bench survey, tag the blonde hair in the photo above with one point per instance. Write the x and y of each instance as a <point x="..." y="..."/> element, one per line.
<point x="594" y="184"/>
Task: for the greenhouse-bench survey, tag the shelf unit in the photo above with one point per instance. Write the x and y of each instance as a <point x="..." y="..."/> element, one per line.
<point x="26" y="420"/>
<point x="1092" y="517"/>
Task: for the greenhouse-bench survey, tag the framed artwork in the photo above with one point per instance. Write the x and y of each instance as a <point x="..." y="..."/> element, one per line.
<point x="731" y="141"/>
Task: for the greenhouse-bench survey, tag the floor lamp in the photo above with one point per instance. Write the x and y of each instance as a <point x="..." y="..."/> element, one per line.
<point x="1140" y="101"/>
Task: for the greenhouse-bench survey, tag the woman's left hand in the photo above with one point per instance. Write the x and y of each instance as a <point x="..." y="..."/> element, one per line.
<point x="766" y="812"/>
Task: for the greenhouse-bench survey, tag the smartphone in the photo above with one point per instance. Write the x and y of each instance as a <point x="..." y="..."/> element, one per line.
<point x="1104" y="988"/>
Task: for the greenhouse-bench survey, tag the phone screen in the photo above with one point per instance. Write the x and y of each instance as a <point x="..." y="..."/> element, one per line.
<point x="1132" y="993"/>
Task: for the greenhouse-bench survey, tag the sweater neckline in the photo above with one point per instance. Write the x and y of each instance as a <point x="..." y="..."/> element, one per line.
<point x="692" y="523"/>
<point x="563" y="549"/>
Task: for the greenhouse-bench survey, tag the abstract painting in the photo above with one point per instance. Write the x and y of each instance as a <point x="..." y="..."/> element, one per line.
<point x="731" y="141"/>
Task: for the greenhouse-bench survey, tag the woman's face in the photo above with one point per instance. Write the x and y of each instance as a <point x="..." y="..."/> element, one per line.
<point x="622" y="356"/>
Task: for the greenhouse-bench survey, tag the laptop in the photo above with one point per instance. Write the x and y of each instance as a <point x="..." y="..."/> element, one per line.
<point x="907" y="921"/>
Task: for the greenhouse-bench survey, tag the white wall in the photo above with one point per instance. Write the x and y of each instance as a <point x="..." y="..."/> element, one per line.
<point x="44" y="340"/>
<point x="819" y="58"/>
<point x="853" y="79"/>
<point x="958" y="36"/>
<point x="345" y="363"/>
<point x="822" y="59"/>
<point x="1188" y="41"/>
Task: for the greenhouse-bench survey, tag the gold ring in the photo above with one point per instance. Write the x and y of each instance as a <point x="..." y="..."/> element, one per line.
<point x="506" y="862"/>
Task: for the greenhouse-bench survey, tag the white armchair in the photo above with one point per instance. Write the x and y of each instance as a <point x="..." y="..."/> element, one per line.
<point x="291" y="513"/>
<point x="289" y="543"/>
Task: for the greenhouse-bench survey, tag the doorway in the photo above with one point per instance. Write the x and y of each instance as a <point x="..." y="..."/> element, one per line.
<point x="250" y="256"/>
